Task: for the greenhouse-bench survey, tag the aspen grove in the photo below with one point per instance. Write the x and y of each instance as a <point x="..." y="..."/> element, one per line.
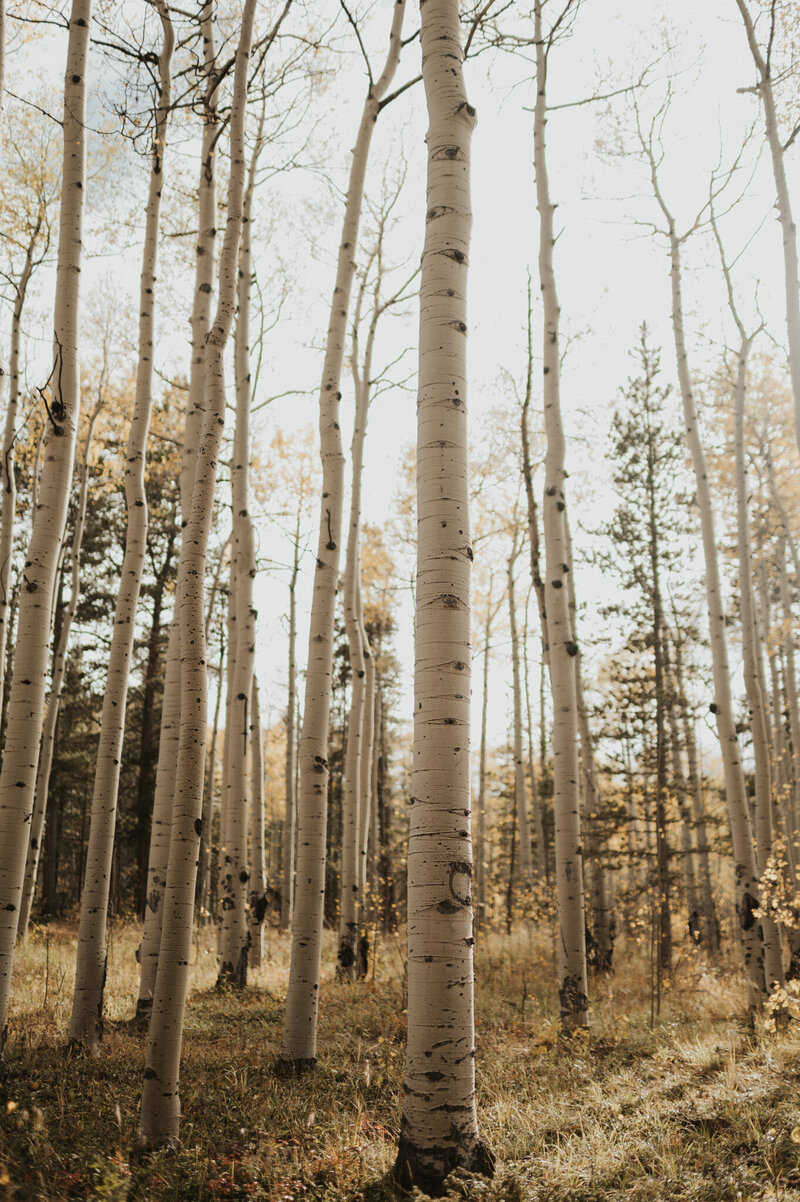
<point x="399" y="800"/>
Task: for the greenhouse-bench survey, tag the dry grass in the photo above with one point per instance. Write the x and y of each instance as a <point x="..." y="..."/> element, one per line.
<point x="702" y="1107"/>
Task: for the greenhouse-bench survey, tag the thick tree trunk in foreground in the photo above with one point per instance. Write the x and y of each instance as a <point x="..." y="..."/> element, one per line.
<point x="439" y="1127"/>
<point x="47" y="744"/>
<point x="90" y="973"/>
<point x="28" y="681"/>
<point x="302" y="1003"/>
<point x="160" y="1114"/>
<point x="562" y="648"/>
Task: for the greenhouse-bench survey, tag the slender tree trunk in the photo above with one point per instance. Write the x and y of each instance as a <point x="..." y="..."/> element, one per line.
<point x="160" y="1114"/>
<point x="745" y="872"/>
<point x="788" y="230"/>
<point x="90" y="974"/>
<point x="572" y="985"/>
<point x="8" y="506"/>
<point x="603" y="925"/>
<point x="520" y="786"/>
<point x="536" y="799"/>
<point x="203" y="886"/>
<point x="439" y="1127"/>
<point x="709" y="911"/>
<point x="235" y="935"/>
<point x="773" y="955"/>
<point x="480" y="860"/>
<point x="365" y="795"/>
<point x="161" y="831"/>
<point x="681" y="792"/>
<point x="258" y="865"/>
<point x="290" y="774"/>
<point x="28" y="681"/>
<point x="300" y="1029"/>
<point x="148" y="756"/>
<point x="45" y="762"/>
<point x="787" y="642"/>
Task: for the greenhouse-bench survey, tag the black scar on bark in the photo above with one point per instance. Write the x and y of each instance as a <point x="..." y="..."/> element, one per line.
<point x="748" y="917"/>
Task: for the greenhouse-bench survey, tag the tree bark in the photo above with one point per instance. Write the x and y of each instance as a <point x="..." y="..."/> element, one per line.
<point x="258" y="865"/>
<point x="562" y="648"/>
<point x="28" y="681"/>
<point x="745" y="872"/>
<point x="160" y="1113"/>
<point x="46" y="746"/>
<point x="90" y="973"/>
<point x="520" y="785"/>
<point x="788" y="230"/>
<point x="299" y="1047"/>
<point x="161" y="830"/>
<point x="235" y="934"/>
<point x="439" y="1128"/>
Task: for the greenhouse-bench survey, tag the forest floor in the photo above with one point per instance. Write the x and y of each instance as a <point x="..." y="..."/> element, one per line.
<point x="703" y="1106"/>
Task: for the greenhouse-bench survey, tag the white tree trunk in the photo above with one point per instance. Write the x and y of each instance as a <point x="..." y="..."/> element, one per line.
<point x="562" y="648"/>
<point x="160" y="1114"/>
<point x="439" y="1128"/>
<point x="745" y="873"/>
<point x="788" y="230"/>
<point x="290" y="784"/>
<point x="90" y="974"/>
<point x="773" y="955"/>
<point x="258" y="865"/>
<point x="520" y="783"/>
<point x="300" y="1028"/>
<point x="171" y="708"/>
<point x="47" y="744"/>
<point x="235" y="936"/>
<point x="28" y="681"/>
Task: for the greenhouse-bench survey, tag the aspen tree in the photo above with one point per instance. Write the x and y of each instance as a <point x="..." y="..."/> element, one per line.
<point x="708" y="911"/>
<point x="356" y="786"/>
<point x="27" y="691"/>
<point x="763" y="65"/>
<point x="756" y="701"/>
<point x="33" y="257"/>
<point x="536" y="800"/>
<point x="602" y="909"/>
<point x="44" y="766"/>
<point x="90" y="973"/>
<point x="745" y="871"/>
<point x="300" y="1027"/>
<point x="520" y="786"/>
<point x="787" y="642"/>
<point x="234" y="932"/>
<point x="160" y="1114"/>
<point x="439" y="1128"/>
<point x="171" y="706"/>
<point x="258" y="866"/>
<point x="290" y="766"/>
<point x="561" y="645"/>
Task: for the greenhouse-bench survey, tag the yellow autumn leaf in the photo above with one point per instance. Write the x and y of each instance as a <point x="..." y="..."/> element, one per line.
<point x="795" y="1135"/>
